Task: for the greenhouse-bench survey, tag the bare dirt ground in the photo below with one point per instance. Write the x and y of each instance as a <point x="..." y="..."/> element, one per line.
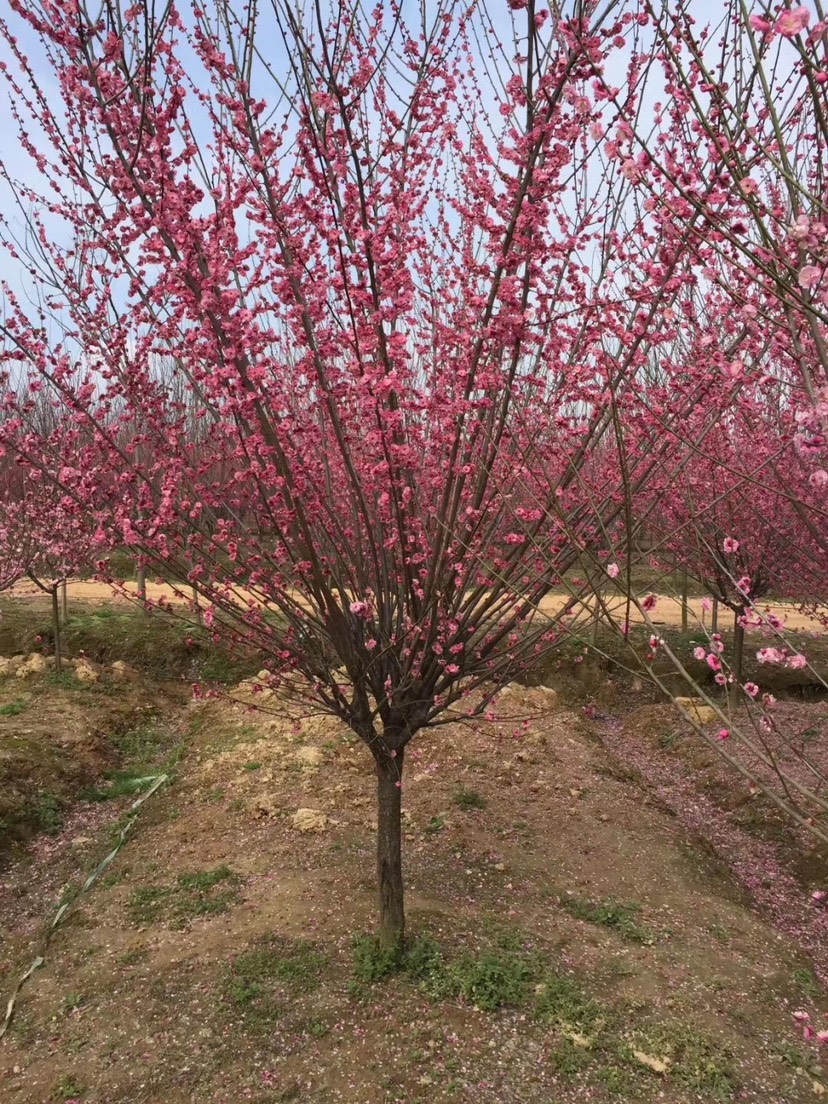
<point x="613" y="920"/>
<point x="667" y="611"/>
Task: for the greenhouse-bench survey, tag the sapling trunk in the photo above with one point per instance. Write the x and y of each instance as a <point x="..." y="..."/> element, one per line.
<point x="684" y="603"/>
<point x="56" y="626"/>
<point x="389" y="852"/>
<point x="141" y="581"/>
<point x="738" y="659"/>
<point x="64" y="598"/>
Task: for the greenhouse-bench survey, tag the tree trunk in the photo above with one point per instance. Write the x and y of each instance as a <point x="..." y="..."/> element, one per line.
<point x="64" y="599"/>
<point x="198" y="617"/>
<point x="714" y="616"/>
<point x="389" y="852"/>
<point x="141" y="574"/>
<point x="56" y="626"/>
<point x="684" y="606"/>
<point x="738" y="660"/>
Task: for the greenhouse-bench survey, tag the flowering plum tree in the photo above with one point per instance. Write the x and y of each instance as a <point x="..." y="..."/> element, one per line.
<point x="410" y="284"/>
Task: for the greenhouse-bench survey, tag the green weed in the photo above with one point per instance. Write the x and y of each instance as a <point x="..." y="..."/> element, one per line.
<point x="262" y="978"/>
<point x="13" y="709"/>
<point x="469" y="799"/>
<point x="203" y="893"/>
<point x="610" y="914"/>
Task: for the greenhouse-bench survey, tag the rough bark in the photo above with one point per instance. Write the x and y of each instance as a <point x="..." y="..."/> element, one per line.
<point x="389" y="852"/>
<point x="56" y="626"/>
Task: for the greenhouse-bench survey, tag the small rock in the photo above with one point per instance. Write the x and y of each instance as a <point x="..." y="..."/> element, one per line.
<point x="658" y="1065"/>
<point x="699" y="712"/>
<point x="577" y="1038"/>
<point x="35" y="664"/>
<point x="309" y="820"/>
<point x="86" y="673"/>
<point x="308" y="757"/>
<point x="266" y="805"/>
<point x="79" y="841"/>
<point x="121" y="672"/>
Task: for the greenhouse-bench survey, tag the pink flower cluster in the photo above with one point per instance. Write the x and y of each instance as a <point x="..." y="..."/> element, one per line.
<point x="809" y="1032"/>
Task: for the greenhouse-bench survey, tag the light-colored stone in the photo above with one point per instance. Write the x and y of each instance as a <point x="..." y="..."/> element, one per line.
<point x="309" y="820"/>
<point x="308" y="757"/>
<point x="34" y="664"/>
<point x="6" y="668"/>
<point x="699" y="712"/>
<point x="86" y="673"/>
<point x="122" y="672"/>
<point x="265" y="804"/>
<point x="657" y="1065"/>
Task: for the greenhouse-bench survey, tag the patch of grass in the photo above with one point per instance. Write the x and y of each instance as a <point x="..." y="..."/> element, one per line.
<point x="436" y="824"/>
<point x="120" y="784"/>
<point x="13" y="709"/>
<point x="203" y="893"/>
<point x="495" y="977"/>
<point x="469" y="799"/>
<point x="694" y="1061"/>
<point x="47" y="812"/>
<point x="68" y="1088"/>
<point x="252" y="766"/>
<point x="263" y="978"/>
<point x="610" y="914"/>
<point x="72" y="1002"/>
<point x="808" y="983"/>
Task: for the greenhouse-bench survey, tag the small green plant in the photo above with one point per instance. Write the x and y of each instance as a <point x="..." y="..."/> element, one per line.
<point x="373" y="962"/>
<point x="13" y="709"/>
<point x="72" y="1002"/>
<point x="469" y="799"/>
<point x="807" y="982"/>
<point x="203" y="893"/>
<point x="436" y="824"/>
<point x="693" y="1061"/>
<point x="47" y="812"/>
<point x="610" y="914"/>
<point x="120" y="784"/>
<point x="252" y="766"/>
<point x="262" y="978"/>
<point x="68" y="1088"/>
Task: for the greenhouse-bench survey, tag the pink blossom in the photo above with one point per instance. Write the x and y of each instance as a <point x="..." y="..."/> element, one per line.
<point x="699" y="653"/>
<point x="743" y="584"/>
<point x="650" y="602"/>
<point x="360" y="609"/>
<point x="758" y="23"/>
<point x="801" y="228"/>
<point x="515" y="538"/>
<point x="723" y="734"/>
<point x="818" y="478"/>
<point x="730" y="544"/>
<point x="809" y="276"/>
<point x="706" y="605"/>
<point x="791" y="22"/>
<point x="797" y="662"/>
<point x="612" y="570"/>
<point x="770" y="655"/>
<point x="819" y="895"/>
<point x="751" y="689"/>
<point x="714" y="663"/>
